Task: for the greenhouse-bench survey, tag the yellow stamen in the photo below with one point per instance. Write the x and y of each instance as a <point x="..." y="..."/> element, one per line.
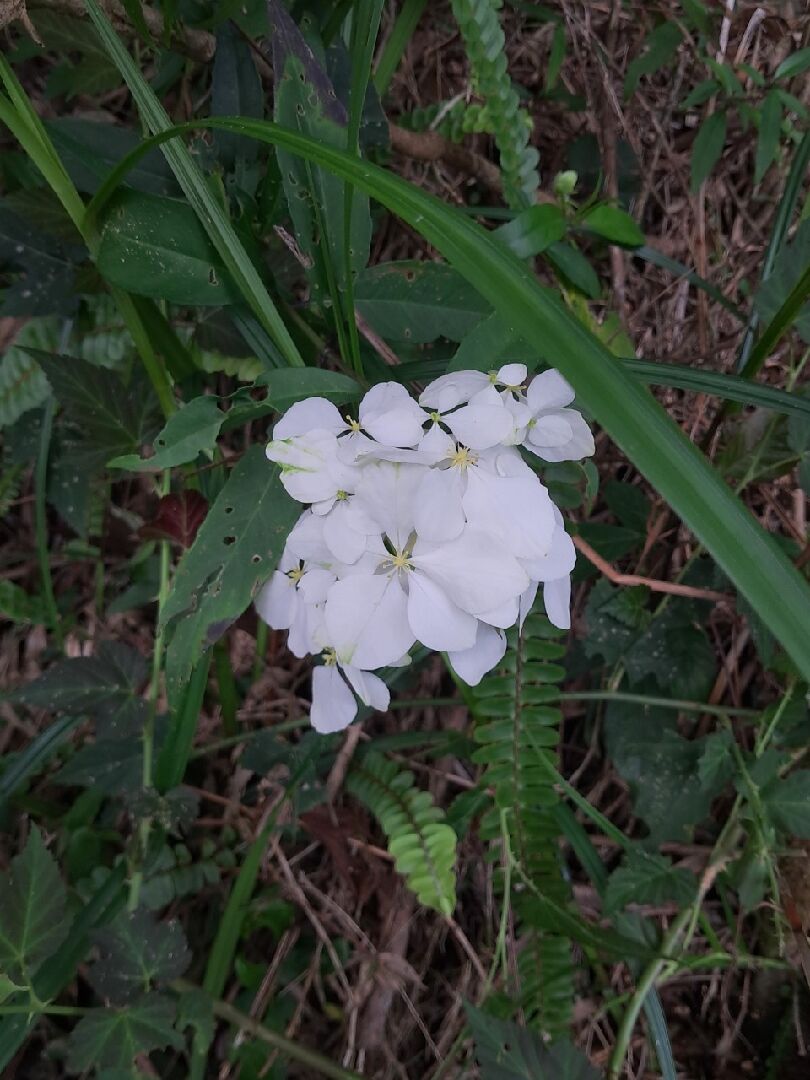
<point x="462" y="458"/>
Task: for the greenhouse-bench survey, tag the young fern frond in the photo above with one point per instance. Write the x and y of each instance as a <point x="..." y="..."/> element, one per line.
<point x="422" y="843"/>
<point x="508" y="121"/>
<point x="516" y="721"/>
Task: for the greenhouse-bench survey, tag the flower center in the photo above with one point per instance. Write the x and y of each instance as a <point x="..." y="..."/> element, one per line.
<point x="462" y="458"/>
<point x="329" y="657"/>
<point x="354" y="425"/>
<point x="341" y="496"/>
<point x="296" y="574"/>
<point x="400" y="561"/>
<point x="435" y="417"/>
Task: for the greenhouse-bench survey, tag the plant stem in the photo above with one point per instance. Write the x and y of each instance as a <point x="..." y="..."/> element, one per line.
<point x="40" y="518"/>
<point x="226" y="683"/>
<point x="311" y="1058"/>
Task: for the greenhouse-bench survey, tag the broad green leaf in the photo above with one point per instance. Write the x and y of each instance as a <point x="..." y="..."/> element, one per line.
<point x="113" y="766"/>
<point x="707" y="147"/>
<point x="574" y="268"/>
<point x="628" y="413"/>
<point x="192" y="430"/>
<point x="788" y="803"/>
<point x="18" y="607"/>
<point x="648" y="879"/>
<point x="716" y="764"/>
<point x="505" y="1051"/>
<point x="33" y="923"/>
<point x="236" y="90"/>
<point x="110" y="417"/>
<point x="286" y="386"/>
<point x="533" y="230"/>
<point x="676" y="652"/>
<point x="418" y="302"/>
<point x="48" y="265"/>
<point x="489" y="344"/>
<point x="615" y="619"/>
<point x="136" y="954"/>
<point x="629" y="503"/>
<point x="659" y="48"/>
<point x="154" y="246"/>
<point x="770" y="122"/>
<point x="615" y="225"/>
<point x="795" y="64"/>
<point x="235" y="551"/>
<point x="65" y="34"/>
<point x="89" y="151"/>
<point x="113" y="1037"/>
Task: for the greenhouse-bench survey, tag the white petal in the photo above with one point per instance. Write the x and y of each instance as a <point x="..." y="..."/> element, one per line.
<point x="472" y="664"/>
<point x="437" y="444"/>
<point x="559" y="561"/>
<point x="503" y="616"/>
<point x="452" y="389"/>
<point x="387" y="492"/>
<point x="512" y="374"/>
<point x="526" y="603"/>
<point x="306" y="539"/>
<point x="475" y="570"/>
<point x="557" y="601"/>
<point x="391" y="416"/>
<point x="369" y="688"/>
<point x="435" y="620"/>
<point x="306" y="630"/>
<point x="306" y="416"/>
<point x="480" y="426"/>
<point x="579" y="443"/>
<point x="515" y="509"/>
<point x="315" y="584"/>
<point x="333" y="704"/>
<point x="345" y="543"/>
<point x="307" y="465"/>
<point x="549" y="390"/>
<point x="367" y="621"/>
<point x="550" y="429"/>
<point x="276" y="602"/>
<point x="438" y="513"/>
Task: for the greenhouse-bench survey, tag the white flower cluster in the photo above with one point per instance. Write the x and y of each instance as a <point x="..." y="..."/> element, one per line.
<point x="424" y="524"/>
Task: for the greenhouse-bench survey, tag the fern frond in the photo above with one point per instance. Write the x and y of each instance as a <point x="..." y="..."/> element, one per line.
<point x="508" y="121"/>
<point x="422" y="843"/>
<point x="517" y="720"/>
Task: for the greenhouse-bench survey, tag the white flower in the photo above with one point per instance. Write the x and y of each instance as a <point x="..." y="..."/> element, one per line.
<point x="311" y="468"/>
<point x="293" y="600"/>
<point x="555" y="433"/>
<point x="333" y="703"/>
<point x="472" y="664"/>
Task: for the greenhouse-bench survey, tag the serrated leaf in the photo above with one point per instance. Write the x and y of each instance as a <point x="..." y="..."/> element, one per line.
<point x="235" y="551"/>
<point x="716" y="763"/>
<point x="192" y="430"/>
<point x="136" y="954"/>
<point x="285" y="386"/>
<point x="112" y="765"/>
<point x="33" y="923"/>
<point x="418" y="302"/>
<point x="505" y="1051"/>
<point x="676" y="652"/>
<point x="114" y="1037"/>
<point x="111" y="417"/>
<point x="614" y="225"/>
<point x="788" y="803"/>
<point x="648" y="879"/>
<point x="615" y="618"/>
<point x="154" y="246"/>
<point x="101" y="684"/>
<point x="770" y="121"/>
<point x="707" y="148"/>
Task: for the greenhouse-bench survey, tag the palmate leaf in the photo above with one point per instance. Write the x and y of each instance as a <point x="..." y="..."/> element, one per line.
<point x="234" y="553"/>
<point x="648" y="879"/>
<point x="508" y="1052"/>
<point x="33" y="922"/>
<point x="137" y="953"/>
<point x="113" y="1037"/>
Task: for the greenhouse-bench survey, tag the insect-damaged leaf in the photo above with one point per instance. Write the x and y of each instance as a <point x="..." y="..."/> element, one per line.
<point x="235" y="551"/>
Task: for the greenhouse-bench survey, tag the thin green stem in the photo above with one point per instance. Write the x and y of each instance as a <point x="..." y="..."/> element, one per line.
<point x="262" y="637"/>
<point x="658" y="702"/>
<point x="228" y="694"/>
<point x="41" y="521"/>
<point x="151" y="361"/>
<point x="44" y="1010"/>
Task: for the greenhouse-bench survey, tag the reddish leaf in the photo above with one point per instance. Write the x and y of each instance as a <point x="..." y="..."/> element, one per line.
<point x="178" y="518"/>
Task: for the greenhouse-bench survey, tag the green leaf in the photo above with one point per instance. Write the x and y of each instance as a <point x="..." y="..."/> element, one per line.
<point x="505" y="1051"/>
<point x="700" y="94"/>
<point x="8" y="988"/>
<point x="572" y="265"/>
<point x="286" y="386"/>
<point x="626" y="410"/>
<point x="770" y="124"/>
<point x="789" y="266"/>
<point x="18" y="607"/>
<point x="647" y="879"/>
<point x="64" y="35"/>
<point x="23" y="385"/>
<point x="136" y="954"/>
<point x="33" y="923"/>
<point x="236" y="90"/>
<point x="716" y="764"/>
<point x="111" y="417"/>
<point x="676" y="652"/>
<point x="89" y="151"/>
<point x="615" y="225"/>
<point x="154" y="246"/>
<point x="629" y="503"/>
<point x="707" y="148"/>
<point x="615" y="619"/>
<point x="192" y="430"/>
<point x="795" y="64"/>
<point x="101" y="684"/>
<point x="418" y="302"/>
<point x="489" y="344"/>
<point x="659" y="48"/>
<point x="114" y="1037"/>
<point x="533" y="230"/>
<point x="788" y="803"/>
<point x="235" y="551"/>
<point x="113" y="766"/>
<point x="48" y="264"/>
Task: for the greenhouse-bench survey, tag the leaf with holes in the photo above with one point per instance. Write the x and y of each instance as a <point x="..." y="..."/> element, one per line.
<point x="418" y="302"/>
<point x="33" y="923"/>
<point x="191" y="431"/>
<point x="109" y="416"/>
<point x="178" y="518"/>
<point x="136" y="954"/>
<point x="235" y="551"/>
<point x="154" y="246"/>
<point x="113" y="1038"/>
